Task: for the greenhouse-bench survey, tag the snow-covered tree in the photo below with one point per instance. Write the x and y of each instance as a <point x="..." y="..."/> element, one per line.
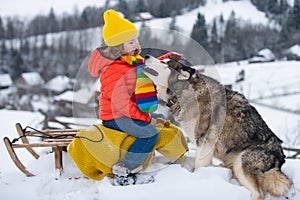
<point x="199" y="32"/>
<point x="52" y="22"/>
<point x="231" y="39"/>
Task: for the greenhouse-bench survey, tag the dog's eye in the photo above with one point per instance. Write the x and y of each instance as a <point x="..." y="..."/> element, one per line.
<point x="169" y="91"/>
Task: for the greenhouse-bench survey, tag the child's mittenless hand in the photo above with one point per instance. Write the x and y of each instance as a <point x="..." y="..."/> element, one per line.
<point x="173" y="55"/>
<point x="176" y="56"/>
<point x="153" y="121"/>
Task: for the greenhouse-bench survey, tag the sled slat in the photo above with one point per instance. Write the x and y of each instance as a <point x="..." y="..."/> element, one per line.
<point x="62" y="138"/>
<point x="45" y="144"/>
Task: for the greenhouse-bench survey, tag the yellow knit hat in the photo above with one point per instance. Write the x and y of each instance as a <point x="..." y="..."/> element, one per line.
<point x="116" y="29"/>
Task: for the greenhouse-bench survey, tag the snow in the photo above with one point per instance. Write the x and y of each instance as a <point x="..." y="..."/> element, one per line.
<point x="173" y="181"/>
<point x="58" y="83"/>
<point x="244" y="11"/>
<point x="291" y="2"/>
<point x="294" y="50"/>
<point x="32" y="78"/>
<point x="5" y="80"/>
<point x="66" y="96"/>
<point x="82" y="96"/>
<point x="267" y="54"/>
<point x="146" y="15"/>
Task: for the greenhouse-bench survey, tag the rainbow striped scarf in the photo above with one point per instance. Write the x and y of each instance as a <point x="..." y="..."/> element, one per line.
<point x="145" y="92"/>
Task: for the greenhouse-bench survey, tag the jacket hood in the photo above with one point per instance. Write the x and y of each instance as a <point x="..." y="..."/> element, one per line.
<point x="98" y="62"/>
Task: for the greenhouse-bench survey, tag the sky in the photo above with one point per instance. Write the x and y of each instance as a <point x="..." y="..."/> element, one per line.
<point x="33" y="7"/>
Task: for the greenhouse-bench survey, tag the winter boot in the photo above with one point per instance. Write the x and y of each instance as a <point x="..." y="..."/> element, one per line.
<point x="123" y="176"/>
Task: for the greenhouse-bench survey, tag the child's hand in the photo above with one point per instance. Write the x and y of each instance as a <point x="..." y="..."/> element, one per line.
<point x="176" y="56"/>
<point x="153" y="121"/>
<point x="173" y="55"/>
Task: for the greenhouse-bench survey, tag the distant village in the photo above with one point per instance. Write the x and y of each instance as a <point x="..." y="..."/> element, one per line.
<point x="56" y="97"/>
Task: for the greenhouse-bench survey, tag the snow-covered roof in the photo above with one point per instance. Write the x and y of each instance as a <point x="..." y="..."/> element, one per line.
<point x="264" y="55"/>
<point x="82" y="96"/>
<point x="58" y="83"/>
<point x="32" y="78"/>
<point x="145" y="15"/>
<point x="295" y="50"/>
<point x="267" y="54"/>
<point x="5" y="80"/>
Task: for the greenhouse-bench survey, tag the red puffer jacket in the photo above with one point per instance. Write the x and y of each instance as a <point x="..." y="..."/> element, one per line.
<point x="118" y="82"/>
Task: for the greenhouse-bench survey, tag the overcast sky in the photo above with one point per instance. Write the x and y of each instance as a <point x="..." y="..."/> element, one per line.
<point x="34" y="7"/>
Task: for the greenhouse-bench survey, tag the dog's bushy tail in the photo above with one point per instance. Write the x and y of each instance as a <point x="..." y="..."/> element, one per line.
<point x="276" y="183"/>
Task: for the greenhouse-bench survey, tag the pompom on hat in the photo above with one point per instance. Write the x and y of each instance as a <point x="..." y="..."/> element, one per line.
<point x="116" y="29"/>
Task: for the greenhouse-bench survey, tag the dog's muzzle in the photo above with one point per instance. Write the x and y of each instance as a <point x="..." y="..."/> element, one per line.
<point x="150" y="71"/>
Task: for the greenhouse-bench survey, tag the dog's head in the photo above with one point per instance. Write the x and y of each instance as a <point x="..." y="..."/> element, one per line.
<point x="159" y="70"/>
<point x="170" y="76"/>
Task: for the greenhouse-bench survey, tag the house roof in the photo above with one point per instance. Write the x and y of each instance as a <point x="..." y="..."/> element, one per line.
<point x="58" y="83"/>
<point x="5" y="80"/>
<point x="295" y="50"/>
<point x="32" y="78"/>
<point x="82" y="96"/>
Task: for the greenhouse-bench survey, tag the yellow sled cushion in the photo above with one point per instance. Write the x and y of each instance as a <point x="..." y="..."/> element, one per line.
<point x="96" y="158"/>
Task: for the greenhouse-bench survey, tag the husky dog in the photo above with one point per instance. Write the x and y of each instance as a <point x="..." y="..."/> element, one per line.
<point x="222" y="124"/>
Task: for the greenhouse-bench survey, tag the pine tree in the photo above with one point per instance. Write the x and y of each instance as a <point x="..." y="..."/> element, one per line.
<point x="52" y="22"/>
<point x="199" y="32"/>
<point x="26" y="47"/>
<point x="272" y="7"/>
<point x="231" y="39"/>
<point x="10" y="32"/>
<point x="215" y="46"/>
<point x="140" y="6"/>
<point x="164" y="9"/>
<point x="260" y="5"/>
<point x="3" y="48"/>
<point x="123" y="7"/>
<point x="221" y="34"/>
<point x="290" y="32"/>
<point x="296" y="14"/>
<point x="283" y="6"/>
<point x="16" y="64"/>
<point x="2" y="31"/>
<point x="84" y="19"/>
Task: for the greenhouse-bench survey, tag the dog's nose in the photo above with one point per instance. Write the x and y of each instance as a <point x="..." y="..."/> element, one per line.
<point x="147" y="56"/>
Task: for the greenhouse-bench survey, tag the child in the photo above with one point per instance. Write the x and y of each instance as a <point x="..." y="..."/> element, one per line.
<point x="116" y="63"/>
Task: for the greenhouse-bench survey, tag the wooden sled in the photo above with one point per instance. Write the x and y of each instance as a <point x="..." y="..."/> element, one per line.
<point x="57" y="139"/>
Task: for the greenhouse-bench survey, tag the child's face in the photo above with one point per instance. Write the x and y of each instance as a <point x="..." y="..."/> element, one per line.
<point x="132" y="47"/>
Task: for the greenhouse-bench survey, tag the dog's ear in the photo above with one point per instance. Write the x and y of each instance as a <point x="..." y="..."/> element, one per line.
<point x="186" y="72"/>
<point x="184" y="75"/>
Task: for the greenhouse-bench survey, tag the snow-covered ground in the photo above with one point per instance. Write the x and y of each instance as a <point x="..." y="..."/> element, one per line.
<point x="174" y="181"/>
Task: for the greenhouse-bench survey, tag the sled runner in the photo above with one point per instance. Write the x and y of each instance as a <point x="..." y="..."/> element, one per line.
<point x="57" y="139"/>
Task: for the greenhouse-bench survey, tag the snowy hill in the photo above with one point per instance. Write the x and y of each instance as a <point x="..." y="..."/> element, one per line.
<point x="244" y="11"/>
<point x="173" y="181"/>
